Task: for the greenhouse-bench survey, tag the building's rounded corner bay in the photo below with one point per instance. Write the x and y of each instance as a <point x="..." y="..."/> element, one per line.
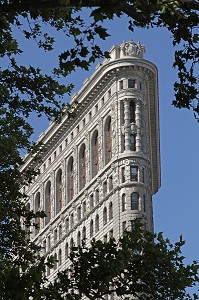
<point x="101" y="168"/>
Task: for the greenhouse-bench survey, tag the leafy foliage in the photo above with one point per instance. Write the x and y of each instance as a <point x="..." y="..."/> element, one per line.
<point x="141" y="264"/>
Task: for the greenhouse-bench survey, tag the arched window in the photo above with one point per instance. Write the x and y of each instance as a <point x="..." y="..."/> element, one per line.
<point x="47" y="202"/>
<point x="91" y="228"/>
<point x="59" y="257"/>
<point x="95" y="153"/>
<point x="134" y="201"/>
<point x="104" y="215"/>
<point x="37" y="208"/>
<point x="123" y="202"/>
<point x="110" y="211"/>
<point x="132" y="112"/>
<point x="84" y="233"/>
<point x="108" y="140"/>
<point x="66" y="251"/>
<point x="70" y="179"/>
<point x="97" y="223"/>
<point x="82" y="166"/>
<point x="78" y="239"/>
<point x="58" y="197"/>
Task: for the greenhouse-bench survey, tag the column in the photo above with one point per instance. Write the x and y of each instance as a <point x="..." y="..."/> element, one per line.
<point x="138" y="123"/>
<point x="126" y="125"/>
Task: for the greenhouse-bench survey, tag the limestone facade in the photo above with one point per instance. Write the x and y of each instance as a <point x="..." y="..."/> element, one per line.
<point x="100" y="168"/>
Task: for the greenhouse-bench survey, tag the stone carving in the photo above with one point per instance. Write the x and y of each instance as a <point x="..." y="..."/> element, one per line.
<point x="132" y="49"/>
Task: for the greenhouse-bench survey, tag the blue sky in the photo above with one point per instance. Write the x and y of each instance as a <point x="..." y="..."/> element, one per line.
<point x="176" y="205"/>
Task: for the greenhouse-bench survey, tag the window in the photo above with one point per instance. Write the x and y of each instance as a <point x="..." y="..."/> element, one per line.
<point x="105" y="238"/>
<point x="95" y="153"/>
<point x="97" y="196"/>
<point x="48" y="202"/>
<point x="111" y="234"/>
<point x="71" y="221"/>
<point x="82" y="166"/>
<point x="123" y="226"/>
<point x="90" y="115"/>
<point x="144" y="203"/>
<point x="102" y="101"/>
<point x="108" y="140"/>
<point x="110" y="183"/>
<point x="131" y="83"/>
<point x="91" y="228"/>
<point x="110" y="211"/>
<point x="83" y="122"/>
<point x="71" y="136"/>
<point x="109" y="93"/>
<point x="60" y="232"/>
<point x="66" y="251"/>
<point x="96" y="108"/>
<point x="70" y="179"/>
<point x="44" y="246"/>
<point x="49" y="243"/>
<point x="78" y="239"/>
<point x="58" y="197"/>
<point x="134" y="173"/>
<point x="123" y="202"/>
<point x="49" y="161"/>
<point x="97" y="223"/>
<point x="91" y="202"/>
<point x="132" y="142"/>
<point x="121" y="85"/>
<point x="60" y="148"/>
<point x="37" y="208"/>
<point x="66" y="142"/>
<point x="123" y="174"/>
<point x="105" y="188"/>
<point x="79" y="213"/>
<point x="55" y="236"/>
<point x="104" y="216"/>
<point x="132" y="111"/>
<point x="134" y="201"/>
<point x="71" y="244"/>
<point x="67" y="225"/>
<point x="84" y="233"/>
<point x="140" y="86"/>
<point x="55" y="155"/>
<point x="84" y="208"/>
<point x="59" y="257"/>
<point x="55" y="261"/>
<point x="77" y="129"/>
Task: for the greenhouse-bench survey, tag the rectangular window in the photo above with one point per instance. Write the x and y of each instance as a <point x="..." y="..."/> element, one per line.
<point x="131" y="83"/>
<point x="105" y="188"/>
<point x="109" y="93"/>
<point x="96" y="108"/>
<point x="123" y="174"/>
<point x="134" y="173"/>
<point x="55" y="236"/>
<point x="79" y="213"/>
<point x="60" y="148"/>
<point x="67" y="224"/>
<point x="123" y="226"/>
<point x="105" y="238"/>
<point x="121" y="85"/>
<point x="84" y="208"/>
<point x="49" y="244"/>
<point x="83" y="122"/>
<point x="110" y="183"/>
<point x="102" y="101"/>
<point x="60" y="232"/>
<point x="111" y="234"/>
<point x="91" y="202"/>
<point x="97" y="196"/>
<point x="77" y="128"/>
<point x="132" y="142"/>
<point x="144" y="203"/>
<point x="140" y="86"/>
